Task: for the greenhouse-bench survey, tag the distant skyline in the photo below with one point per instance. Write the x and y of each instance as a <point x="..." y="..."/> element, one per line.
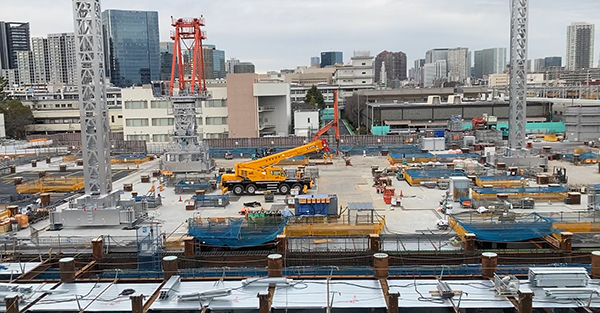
<point x="289" y="32"/>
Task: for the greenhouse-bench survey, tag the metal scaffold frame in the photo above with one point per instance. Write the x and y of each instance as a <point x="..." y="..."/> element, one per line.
<point x="92" y="97"/>
<point x="518" y="74"/>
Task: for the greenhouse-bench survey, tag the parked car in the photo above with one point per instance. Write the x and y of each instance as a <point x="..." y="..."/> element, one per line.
<point x="228" y="155"/>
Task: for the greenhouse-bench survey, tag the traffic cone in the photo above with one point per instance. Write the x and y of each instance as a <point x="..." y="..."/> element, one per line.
<point x="137" y="165"/>
<point x="128" y="167"/>
<point x="180" y="199"/>
<point x="401" y="193"/>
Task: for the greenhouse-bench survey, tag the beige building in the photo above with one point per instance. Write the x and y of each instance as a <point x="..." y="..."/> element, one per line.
<point x="257" y="108"/>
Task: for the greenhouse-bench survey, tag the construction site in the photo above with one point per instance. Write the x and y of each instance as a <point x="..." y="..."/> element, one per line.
<point x="454" y="219"/>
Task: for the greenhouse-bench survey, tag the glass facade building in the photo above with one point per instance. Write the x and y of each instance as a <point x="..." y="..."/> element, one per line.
<point x="331" y="58"/>
<point x="131" y="46"/>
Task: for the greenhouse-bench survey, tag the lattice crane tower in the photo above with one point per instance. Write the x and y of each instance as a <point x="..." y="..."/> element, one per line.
<point x="518" y="75"/>
<point x="92" y="97"/>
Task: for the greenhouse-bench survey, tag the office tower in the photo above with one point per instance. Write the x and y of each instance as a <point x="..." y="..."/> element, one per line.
<point x="208" y="58"/>
<point x="131" y="46"/>
<point x="331" y="58"/>
<point x="435" y="55"/>
<point x="395" y="67"/>
<point x="14" y="36"/>
<point x="40" y="60"/>
<point x="315" y="61"/>
<point x="62" y="58"/>
<point x="24" y="67"/>
<point x="230" y="64"/>
<point x="459" y="64"/>
<point x="553" y="62"/>
<point x="218" y="62"/>
<point x="580" y="45"/>
<point x="243" y="67"/>
<point x="434" y="73"/>
<point x="418" y="73"/>
<point x="539" y="65"/>
<point x="166" y="60"/>
<point x="489" y="61"/>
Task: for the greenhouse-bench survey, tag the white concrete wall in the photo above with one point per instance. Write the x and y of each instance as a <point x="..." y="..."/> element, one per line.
<point x="276" y="96"/>
<point x="2" y="126"/>
<point x="306" y="122"/>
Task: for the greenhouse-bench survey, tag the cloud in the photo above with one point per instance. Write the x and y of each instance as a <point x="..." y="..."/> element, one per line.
<point x="277" y="34"/>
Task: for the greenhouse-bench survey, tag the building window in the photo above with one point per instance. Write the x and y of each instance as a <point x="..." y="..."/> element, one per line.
<point x="216" y="121"/>
<point x="138" y="137"/>
<point x="160" y="104"/>
<point x="198" y="121"/>
<point x="136" y="122"/>
<point x="112" y="118"/>
<point x="119" y="116"/>
<point x="166" y="121"/>
<point x="364" y="81"/>
<point x="161" y="138"/>
<point x="136" y="105"/>
<point x="364" y="64"/>
<point x="216" y="103"/>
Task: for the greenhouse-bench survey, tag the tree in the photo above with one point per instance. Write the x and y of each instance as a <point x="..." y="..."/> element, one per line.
<point x="16" y="118"/>
<point x="315" y="98"/>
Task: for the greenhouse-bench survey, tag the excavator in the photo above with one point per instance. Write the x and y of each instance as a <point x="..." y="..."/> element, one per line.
<point x="264" y="174"/>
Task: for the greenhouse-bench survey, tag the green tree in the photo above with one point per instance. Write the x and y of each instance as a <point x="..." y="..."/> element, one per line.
<point x="16" y="118"/>
<point x="315" y="98"/>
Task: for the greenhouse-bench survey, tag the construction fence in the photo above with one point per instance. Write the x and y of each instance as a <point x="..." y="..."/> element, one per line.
<point x="117" y="141"/>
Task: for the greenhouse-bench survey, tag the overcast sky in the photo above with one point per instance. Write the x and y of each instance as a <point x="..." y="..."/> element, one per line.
<point x="276" y="34"/>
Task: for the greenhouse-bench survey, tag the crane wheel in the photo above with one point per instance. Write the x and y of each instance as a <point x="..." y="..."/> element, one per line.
<point x="238" y="190"/>
<point x="299" y="186"/>
<point x="251" y="189"/>
<point x="284" y="189"/>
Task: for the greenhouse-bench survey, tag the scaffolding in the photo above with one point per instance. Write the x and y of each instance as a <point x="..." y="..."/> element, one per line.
<point x="557" y="193"/>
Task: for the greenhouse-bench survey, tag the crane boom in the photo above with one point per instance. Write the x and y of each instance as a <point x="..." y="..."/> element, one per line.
<point x="274" y="159"/>
<point x="335" y="123"/>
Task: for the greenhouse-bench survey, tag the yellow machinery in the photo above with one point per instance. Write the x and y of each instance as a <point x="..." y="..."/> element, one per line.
<point x="264" y="174"/>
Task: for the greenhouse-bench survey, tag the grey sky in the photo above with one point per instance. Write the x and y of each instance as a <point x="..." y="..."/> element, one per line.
<point x="276" y="34"/>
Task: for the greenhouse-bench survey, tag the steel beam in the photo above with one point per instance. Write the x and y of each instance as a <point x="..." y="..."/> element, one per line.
<point x="518" y="75"/>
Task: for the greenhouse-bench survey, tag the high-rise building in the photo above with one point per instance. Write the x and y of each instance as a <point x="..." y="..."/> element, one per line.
<point x="230" y="64"/>
<point x="539" y="65"/>
<point x="434" y="72"/>
<point x="553" y="62"/>
<point x="418" y="73"/>
<point x="580" y="45"/>
<point x="243" y="67"/>
<point x="131" y="46"/>
<point x="218" y="62"/>
<point x="330" y="58"/>
<point x="14" y="36"/>
<point x="489" y="61"/>
<point x="25" y="67"/>
<point x="166" y="60"/>
<point x="62" y="58"/>
<point x="435" y="55"/>
<point x="459" y="64"/>
<point x="315" y="61"/>
<point x="41" y="62"/>
<point x="209" y="68"/>
<point x="395" y="66"/>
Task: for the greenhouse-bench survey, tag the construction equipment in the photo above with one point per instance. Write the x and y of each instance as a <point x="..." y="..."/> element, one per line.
<point x="264" y="174"/>
<point x="560" y="175"/>
<point x="334" y="124"/>
<point x="484" y="122"/>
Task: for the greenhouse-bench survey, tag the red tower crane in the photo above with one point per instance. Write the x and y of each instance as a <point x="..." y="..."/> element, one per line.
<point x="187" y="56"/>
<point x="333" y="124"/>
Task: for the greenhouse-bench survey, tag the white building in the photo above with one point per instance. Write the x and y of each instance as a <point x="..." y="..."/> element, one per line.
<point x="358" y="72"/>
<point x="306" y="122"/>
<point x="146" y="117"/>
<point x="433" y="72"/>
<point x="55" y="107"/>
<point x="503" y="80"/>
<point x="62" y="58"/>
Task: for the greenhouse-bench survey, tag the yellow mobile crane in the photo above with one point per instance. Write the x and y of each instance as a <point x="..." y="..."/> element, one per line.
<point x="264" y="174"/>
